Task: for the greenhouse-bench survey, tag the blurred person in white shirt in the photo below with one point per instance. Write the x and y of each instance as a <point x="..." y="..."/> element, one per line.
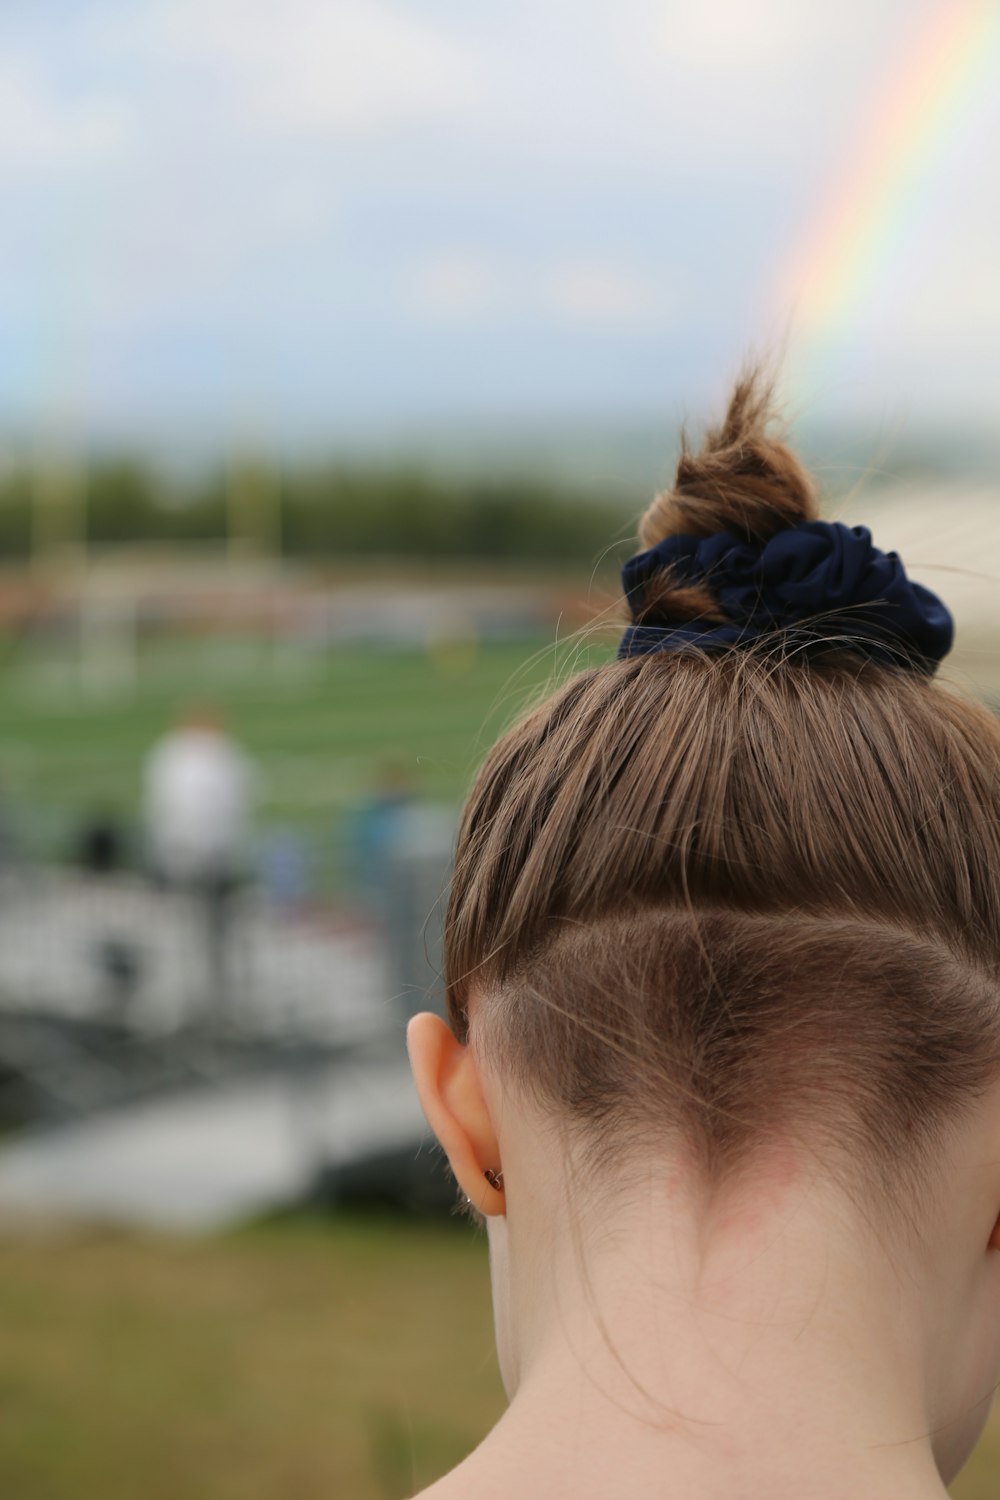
<point x="199" y="790"/>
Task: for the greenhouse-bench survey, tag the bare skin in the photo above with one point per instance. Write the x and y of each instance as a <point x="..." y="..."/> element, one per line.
<point x="773" y="1341"/>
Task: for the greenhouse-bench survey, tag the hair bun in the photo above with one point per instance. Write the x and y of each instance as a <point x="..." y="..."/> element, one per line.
<point x="736" y="555"/>
<point x="743" y="479"/>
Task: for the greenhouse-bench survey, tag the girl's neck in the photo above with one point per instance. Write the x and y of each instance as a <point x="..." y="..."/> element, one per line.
<point x="772" y="1360"/>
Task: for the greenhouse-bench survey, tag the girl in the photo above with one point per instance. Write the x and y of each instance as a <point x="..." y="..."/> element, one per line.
<point x="723" y="1067"/>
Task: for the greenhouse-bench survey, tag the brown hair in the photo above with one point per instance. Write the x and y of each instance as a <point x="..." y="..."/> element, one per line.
<point x="731" y="896"/>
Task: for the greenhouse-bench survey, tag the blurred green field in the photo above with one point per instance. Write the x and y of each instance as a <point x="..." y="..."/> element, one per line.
<point x="291" y="1363"/>
<point x="322" y="724"/>
<point x="350" y="1358"/>
<point x="299" y="1361"/>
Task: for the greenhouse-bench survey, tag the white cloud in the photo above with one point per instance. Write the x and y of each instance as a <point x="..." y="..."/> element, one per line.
<point x="205" y="171"/>
<point x="757" y="40"/>
<point x="346" y="69"/>
<point x="472" y="286"/>
<point x="40" y="127"/>
<point x="944" y="312"/>
<point x="592" y="294"/>
<point x="455" y="286"/>
<point x="297" y="208"/>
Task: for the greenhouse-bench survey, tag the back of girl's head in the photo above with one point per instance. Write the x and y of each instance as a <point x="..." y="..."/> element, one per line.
<point x="727" y="898"/>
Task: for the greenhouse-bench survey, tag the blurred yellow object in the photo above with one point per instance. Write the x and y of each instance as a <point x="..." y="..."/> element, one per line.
<point x="453" y="645"/>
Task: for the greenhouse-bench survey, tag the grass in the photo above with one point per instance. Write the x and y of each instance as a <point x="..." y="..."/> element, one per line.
<point x="298" y="1361"/>
<point x="278" y="1364"/>
<point x="352" y="1359"/>
<point x="320" y="724"/>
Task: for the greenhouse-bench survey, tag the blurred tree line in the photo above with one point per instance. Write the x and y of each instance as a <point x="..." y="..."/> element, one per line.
<point x="324" y="511"/>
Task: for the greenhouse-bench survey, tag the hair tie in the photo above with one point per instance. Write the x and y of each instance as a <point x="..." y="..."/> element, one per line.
<point x="820" y="585"/>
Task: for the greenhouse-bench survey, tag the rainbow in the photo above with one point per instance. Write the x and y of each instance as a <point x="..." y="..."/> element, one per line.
<point x="861" y="227"/>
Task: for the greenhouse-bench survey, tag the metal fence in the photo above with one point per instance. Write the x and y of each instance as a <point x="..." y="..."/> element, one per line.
<point x="165" y="1058"/>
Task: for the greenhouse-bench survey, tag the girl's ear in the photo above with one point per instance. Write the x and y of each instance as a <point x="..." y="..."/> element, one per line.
<point x="451" y="1094"/>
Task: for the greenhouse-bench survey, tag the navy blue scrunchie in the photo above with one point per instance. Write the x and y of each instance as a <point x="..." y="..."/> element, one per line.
<point x="818" y="586"/>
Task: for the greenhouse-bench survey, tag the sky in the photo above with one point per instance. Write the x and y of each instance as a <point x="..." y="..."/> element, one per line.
<point x="315" y="220"/>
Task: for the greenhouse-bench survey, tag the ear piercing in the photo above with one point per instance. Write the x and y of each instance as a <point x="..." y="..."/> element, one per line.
<point x="495" y="1180"/>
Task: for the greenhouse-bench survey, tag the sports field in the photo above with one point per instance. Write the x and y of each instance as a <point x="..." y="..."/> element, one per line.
<point x="324" y="726"/>
<point x="351" y="1358"/>
<point x="304" y="1361"/>
<point x="348" y="1361"/>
